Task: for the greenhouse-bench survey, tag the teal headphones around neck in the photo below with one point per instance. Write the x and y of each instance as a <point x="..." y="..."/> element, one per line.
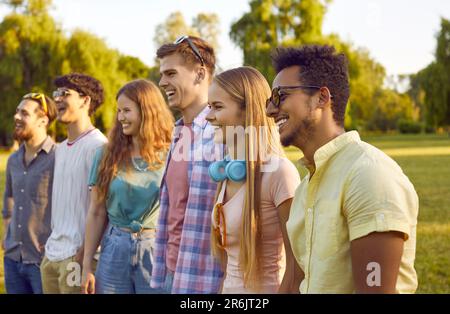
<point x="234" y="170"/>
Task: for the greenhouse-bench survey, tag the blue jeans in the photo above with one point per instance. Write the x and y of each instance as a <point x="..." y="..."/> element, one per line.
<point x="21" y="278"/>
<point x="125" y="264"/>
<point x="168" y="282"/>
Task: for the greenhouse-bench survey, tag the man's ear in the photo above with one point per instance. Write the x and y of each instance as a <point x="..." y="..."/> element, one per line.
<point x="201" y="74"/>
<point x="324" y="97"/>
<point x="87" y="101"/>
<point x="45" y="121"/>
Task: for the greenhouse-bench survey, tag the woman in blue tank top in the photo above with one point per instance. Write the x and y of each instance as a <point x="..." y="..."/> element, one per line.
<point x="124" y="182"/>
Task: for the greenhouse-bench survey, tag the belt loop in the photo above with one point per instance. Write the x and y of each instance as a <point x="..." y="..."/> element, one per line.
<point x="110" y="229"/>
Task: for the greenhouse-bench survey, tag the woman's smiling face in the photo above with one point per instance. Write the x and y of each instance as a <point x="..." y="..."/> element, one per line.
<point x="225" y="111"/>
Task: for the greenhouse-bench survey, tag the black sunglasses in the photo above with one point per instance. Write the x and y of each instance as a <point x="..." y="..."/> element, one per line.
<point x="275" y="98"/>
<point x="192" y="45"/>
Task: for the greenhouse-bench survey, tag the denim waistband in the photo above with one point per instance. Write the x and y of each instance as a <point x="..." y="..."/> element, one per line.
<point x="118" y="231"/>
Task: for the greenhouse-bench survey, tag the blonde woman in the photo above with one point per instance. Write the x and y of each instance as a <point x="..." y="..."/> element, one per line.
<point x="256" y="186"/>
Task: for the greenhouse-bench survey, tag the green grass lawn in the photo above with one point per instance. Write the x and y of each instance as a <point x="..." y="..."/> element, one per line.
<point x="426" y="161"/>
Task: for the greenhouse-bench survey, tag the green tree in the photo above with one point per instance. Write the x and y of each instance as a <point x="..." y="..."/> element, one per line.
<point x="207" y="26"/>
<point x="153" y="74"/>
<point x="89" y="54"/>
<point x="366" y="82"/>
<point x="174" y="26"/>
<point x="204" y="25"/>
<point x="389" y="107"/>
<point x="32" y="49"/>
<point x="272" y="23"/>
<point x="133" y="67"/>
<point x="86" y="53"/>
<point x="430" y="87"/>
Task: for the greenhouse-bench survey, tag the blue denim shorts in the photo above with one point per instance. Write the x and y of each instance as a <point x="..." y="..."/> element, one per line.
<point x="125" y="264"/>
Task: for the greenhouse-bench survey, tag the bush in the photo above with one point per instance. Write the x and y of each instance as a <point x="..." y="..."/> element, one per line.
<point x="430" y="129"/>
<point x="409" y="126"/>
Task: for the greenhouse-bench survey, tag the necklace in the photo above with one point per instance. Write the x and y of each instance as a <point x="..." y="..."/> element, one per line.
<point x="79" y="137"/>
<point x="136" y="166"/>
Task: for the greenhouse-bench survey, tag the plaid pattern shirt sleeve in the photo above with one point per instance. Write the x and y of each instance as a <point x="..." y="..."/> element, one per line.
<point x="197" y="270"/>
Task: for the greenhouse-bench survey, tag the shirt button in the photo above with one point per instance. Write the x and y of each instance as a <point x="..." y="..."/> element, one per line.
<point x="20" y="226"/>
<point x="20" y="207"/>
<point x="310" y="210"/>
<point x="24" y="172"/>
<point x="22" y="190"/>
<point x="20" y="243"/>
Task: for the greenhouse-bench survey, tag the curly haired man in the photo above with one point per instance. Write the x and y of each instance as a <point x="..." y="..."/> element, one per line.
<point x="77" y="97"/>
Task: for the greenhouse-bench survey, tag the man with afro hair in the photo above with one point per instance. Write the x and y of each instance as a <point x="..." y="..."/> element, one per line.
<point x="352" y="224"/>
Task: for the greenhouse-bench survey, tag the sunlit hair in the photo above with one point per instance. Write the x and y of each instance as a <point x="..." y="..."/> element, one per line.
<point x="154" y="134"/>
<point x="84" y="84"/>
<point x="50" y="107"/>
<point x="249" y="88"/>
<point x="204" y="48"/>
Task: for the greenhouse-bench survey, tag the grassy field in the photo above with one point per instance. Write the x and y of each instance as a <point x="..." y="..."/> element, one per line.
<point x="426" y="161"/>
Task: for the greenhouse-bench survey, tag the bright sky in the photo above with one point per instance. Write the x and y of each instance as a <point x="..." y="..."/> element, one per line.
<point x="400" y="34"/>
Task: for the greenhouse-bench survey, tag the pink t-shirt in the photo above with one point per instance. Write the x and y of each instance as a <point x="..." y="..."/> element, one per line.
<point x="276" y="187"/>
<point x="177" y="182"/>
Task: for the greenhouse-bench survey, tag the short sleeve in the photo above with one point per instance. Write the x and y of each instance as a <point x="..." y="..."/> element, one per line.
<point x="284" y="181"/>
<point x="379" y="198"/>
<point x="93" y="174"/>
<point x="7" y="212"/>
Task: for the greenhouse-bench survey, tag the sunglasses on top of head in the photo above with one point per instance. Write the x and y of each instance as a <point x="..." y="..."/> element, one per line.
<point x="37" y="96"/>
<point x="191" y="45"/>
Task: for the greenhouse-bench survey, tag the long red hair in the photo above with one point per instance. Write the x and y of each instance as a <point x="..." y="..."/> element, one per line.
<point x="154" y="134"/>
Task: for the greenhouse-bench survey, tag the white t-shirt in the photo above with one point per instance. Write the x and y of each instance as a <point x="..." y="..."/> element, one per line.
<point x="70" y="195"/>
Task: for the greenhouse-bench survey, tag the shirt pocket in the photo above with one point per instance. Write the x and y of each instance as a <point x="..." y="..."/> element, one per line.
<point x="40" y="190"/>
<point x="325" y="242"/>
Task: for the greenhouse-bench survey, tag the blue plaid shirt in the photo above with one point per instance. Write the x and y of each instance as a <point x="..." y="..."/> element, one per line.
<point x="197" y="271"/>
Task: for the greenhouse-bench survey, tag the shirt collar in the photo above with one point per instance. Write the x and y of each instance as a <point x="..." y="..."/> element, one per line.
<point x="199" y="120"/>
<point x="324" y="153"/>
<point x="46" y="146"/>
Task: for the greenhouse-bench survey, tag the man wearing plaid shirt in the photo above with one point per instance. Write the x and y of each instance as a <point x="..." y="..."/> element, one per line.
<point x="183" y="262"/>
